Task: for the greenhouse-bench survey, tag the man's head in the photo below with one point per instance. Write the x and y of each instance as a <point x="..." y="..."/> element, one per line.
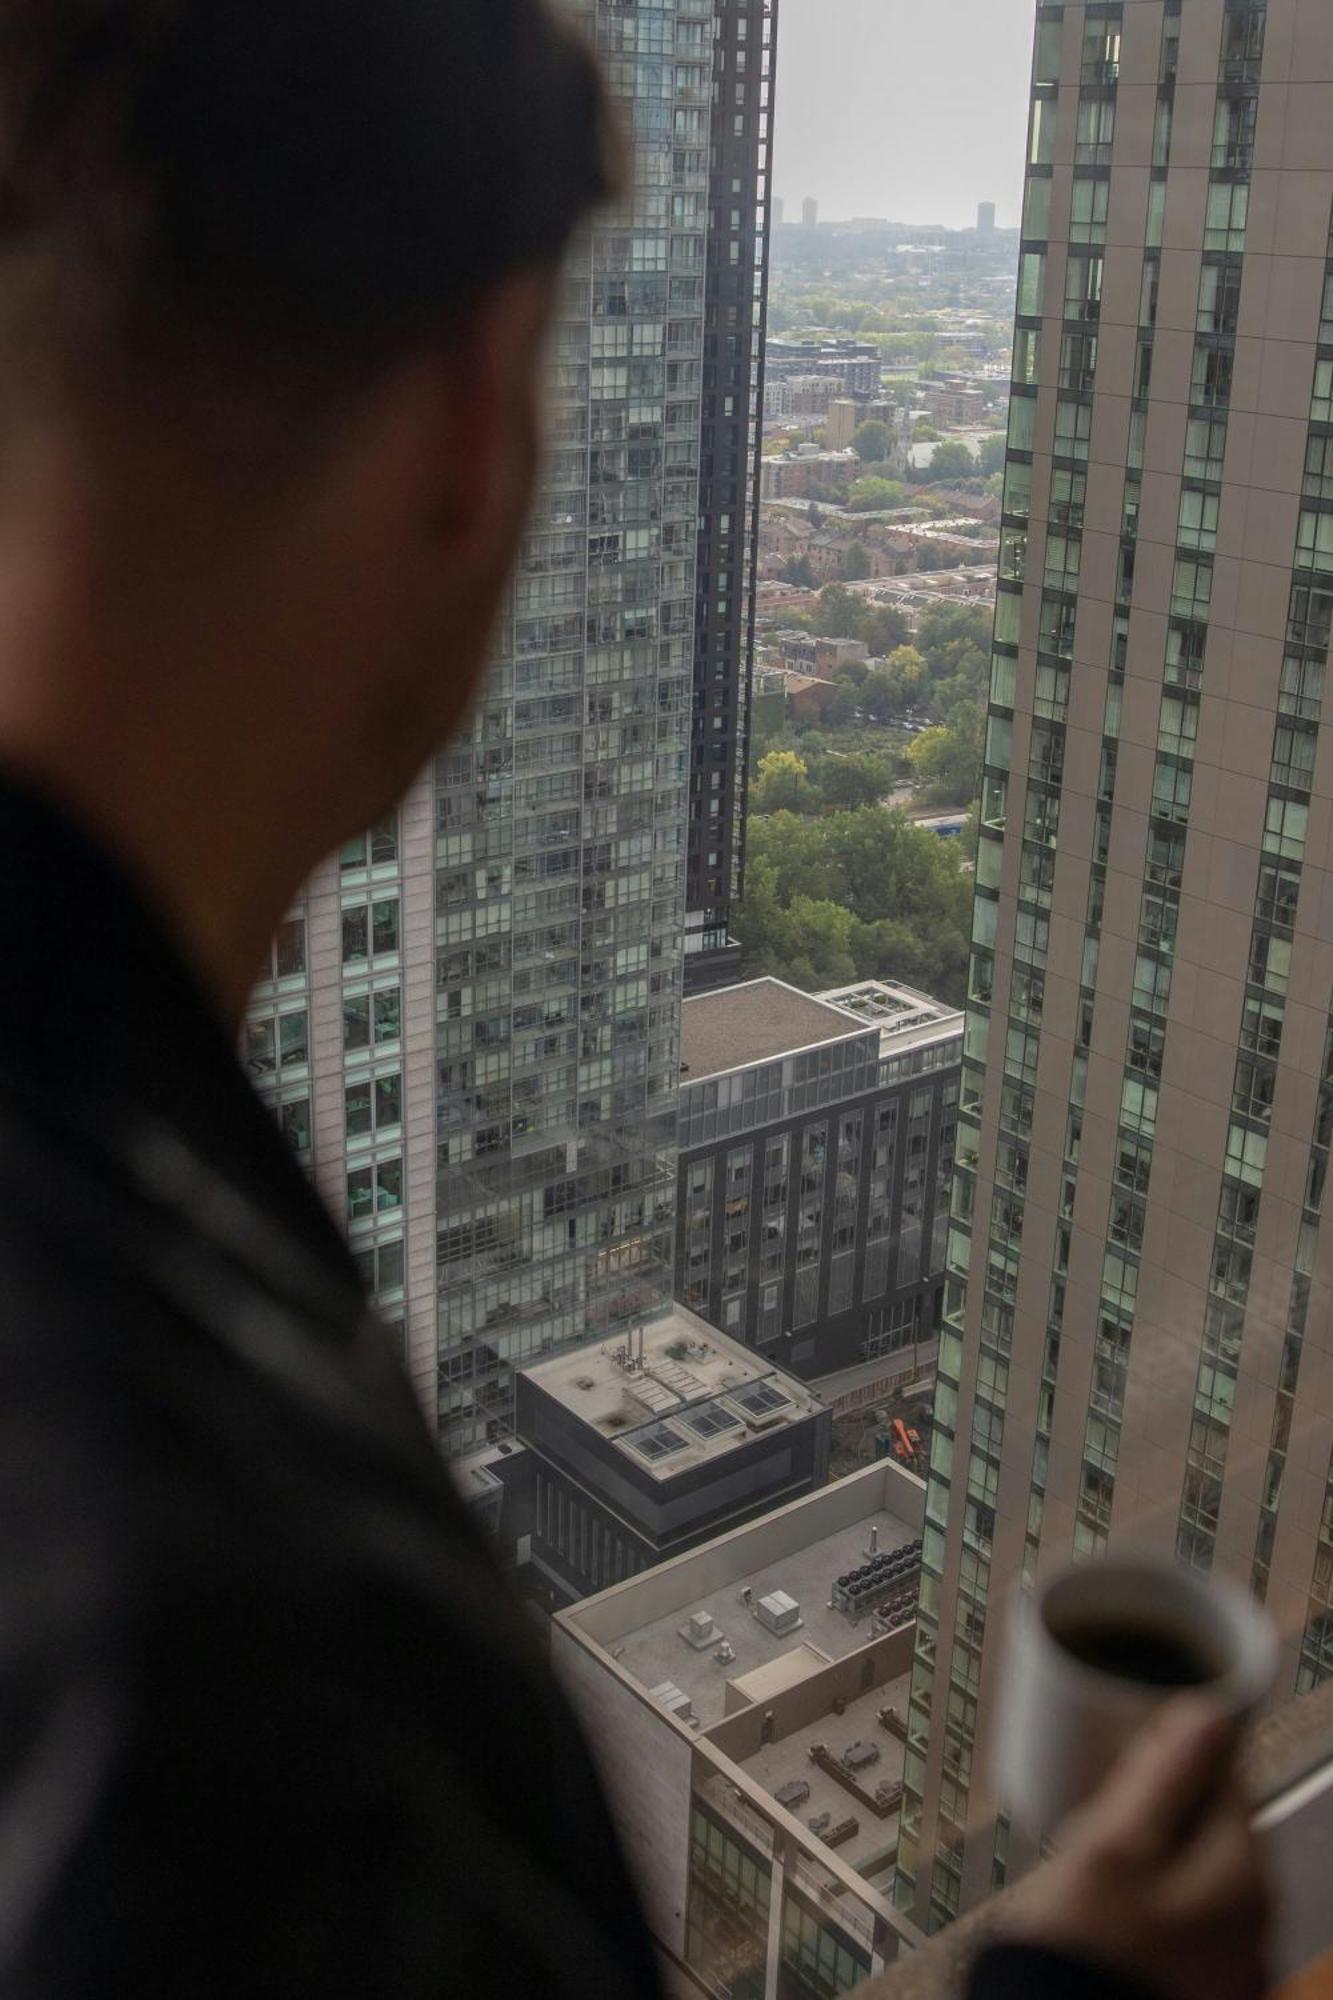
<point x="275" y="277"/>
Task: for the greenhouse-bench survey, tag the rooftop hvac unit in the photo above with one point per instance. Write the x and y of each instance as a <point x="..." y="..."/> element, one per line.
<point x="779" y="1613"/>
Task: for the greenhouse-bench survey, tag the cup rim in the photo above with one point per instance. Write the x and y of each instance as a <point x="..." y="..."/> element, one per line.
<point x="1249" y="1632"/>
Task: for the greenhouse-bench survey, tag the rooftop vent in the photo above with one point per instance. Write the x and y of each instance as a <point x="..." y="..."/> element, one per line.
<point x="779" y="1613"/>
<point x="700" y="1630"/>
<point x="668" y="1696"/>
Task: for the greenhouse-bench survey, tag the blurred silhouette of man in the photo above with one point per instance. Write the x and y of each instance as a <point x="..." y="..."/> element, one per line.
<point x="275" y="277"/>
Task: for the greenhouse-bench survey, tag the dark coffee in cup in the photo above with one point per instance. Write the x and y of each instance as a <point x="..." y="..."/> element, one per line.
<point x="1148" y="1651"/>
<point x="1092" y="1655"/>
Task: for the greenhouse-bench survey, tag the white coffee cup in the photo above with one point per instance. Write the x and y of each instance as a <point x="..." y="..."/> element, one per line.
<point x="1093" y="1653"/>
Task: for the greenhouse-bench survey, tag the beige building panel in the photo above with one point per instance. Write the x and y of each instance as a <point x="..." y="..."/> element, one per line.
<point x="1302" y="211"/>
<point x="1304" y="130"/>
<point x="1200" y="48"/>
<point x="1135" y="115"/>
<point x="1127" y="209"/>
<point x="1109" y="444"/>
<point x="1310" y="24"/>
<point x="1122" y="288"/>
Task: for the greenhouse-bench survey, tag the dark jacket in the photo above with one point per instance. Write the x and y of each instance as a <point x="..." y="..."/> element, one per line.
<point x="270" y="1723"/>
<point x="1025" y="1972"/>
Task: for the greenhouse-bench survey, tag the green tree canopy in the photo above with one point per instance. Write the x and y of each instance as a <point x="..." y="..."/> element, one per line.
<point x="872" y="442"/>
<point x="856" y="563"/>
<point x="869" y="495"/>
<point x="947" y="760"/>
<point x="953" y="460"/>
<point x="777" y="787"/>
<point x="861" y="894"/>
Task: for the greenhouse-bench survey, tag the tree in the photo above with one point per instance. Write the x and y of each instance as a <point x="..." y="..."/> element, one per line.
<point x="883" y="629"/>
<point x="990" y="456"/>
<point x="814" y="515"/>
<point x="856" y="563"/>
<point x="843" y="710"/>
<point x="953" y="460"/>
<point x="858" y="780"/>
<point x="854" y="673"/>
<point x="863" y="890"/>
<point x="778" y="786"/>
<point x="800" y="571"/>
<point x="947" y="760"/>
<point x="837" y="614"/>
<point x="878" y="698"/>
<point x="870" y="495"/>
<point x="872" y="442"/>
<point x="955" y="640"/>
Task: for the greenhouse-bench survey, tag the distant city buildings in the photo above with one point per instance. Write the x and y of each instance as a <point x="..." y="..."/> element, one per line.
<point x="792" y="475"/>
<point x="810" y="212"/>
<point x="986" y="218"/>
<point x="816" y="1156"/>
<point x="779" y="211"/>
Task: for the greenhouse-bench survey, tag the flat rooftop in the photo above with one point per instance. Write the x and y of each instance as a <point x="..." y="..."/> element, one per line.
<point x="755" y="1023"/>
<point x="656" y="1653"/>
<point x="675" y="1395"/>
<point x="873" y="1848"/>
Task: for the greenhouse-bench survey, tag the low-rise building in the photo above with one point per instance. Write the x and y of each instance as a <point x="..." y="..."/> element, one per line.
<point x="816" y="1156"/>
<point x="830" y="654"/>
<point x="792" y="476"/>
<point x="747" y="1704"/>
<point x="948" y="404"/>
<point x="847" y="414"/>
<point x="642" y="1449"/>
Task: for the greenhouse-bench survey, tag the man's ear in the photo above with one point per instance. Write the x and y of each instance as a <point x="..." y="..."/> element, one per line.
<point x="493" y="421"/>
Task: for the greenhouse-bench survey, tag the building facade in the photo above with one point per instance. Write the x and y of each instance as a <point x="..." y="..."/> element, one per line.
<point x="817" y="1153"/>
<point x="471" y="1024"/>
<point x="735" y="320"/>
<point x="1135" y="1346"/>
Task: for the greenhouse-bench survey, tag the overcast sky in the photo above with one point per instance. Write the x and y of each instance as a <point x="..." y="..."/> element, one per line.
<point x="911" y="109"/>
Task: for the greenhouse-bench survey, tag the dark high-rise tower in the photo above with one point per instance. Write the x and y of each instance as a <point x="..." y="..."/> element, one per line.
<point x="740" y="203"/>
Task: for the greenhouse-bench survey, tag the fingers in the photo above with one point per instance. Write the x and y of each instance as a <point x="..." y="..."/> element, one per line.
<point x="1166" y="1779"/>
<point x="1223" y="1870"/>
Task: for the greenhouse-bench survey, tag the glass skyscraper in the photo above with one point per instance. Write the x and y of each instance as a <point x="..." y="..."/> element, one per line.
<point x="472" y="1023"/>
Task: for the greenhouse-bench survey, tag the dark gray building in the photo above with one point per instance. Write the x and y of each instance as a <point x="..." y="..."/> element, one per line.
<point x="638" y="1451"/>
<point x="817" y="1146"/>
<point x="731" y="446"/>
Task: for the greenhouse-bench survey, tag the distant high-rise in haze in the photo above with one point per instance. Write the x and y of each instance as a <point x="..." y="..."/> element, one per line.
<point x="810" y="211"/>
<point x="471" y="1023"/>
<point x="1135" y="1346"/>
<point x="986" y="218"/>
<point x="779" y="211"/>
<point x="736" y="310"/>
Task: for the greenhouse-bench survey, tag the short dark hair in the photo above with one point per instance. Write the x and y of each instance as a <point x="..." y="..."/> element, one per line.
<point x="313" y="180"/>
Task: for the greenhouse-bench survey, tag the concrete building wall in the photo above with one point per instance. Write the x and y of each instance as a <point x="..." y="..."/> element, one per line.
<point x="1135" y="1349"/>
<point x="645" y="1761"/>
